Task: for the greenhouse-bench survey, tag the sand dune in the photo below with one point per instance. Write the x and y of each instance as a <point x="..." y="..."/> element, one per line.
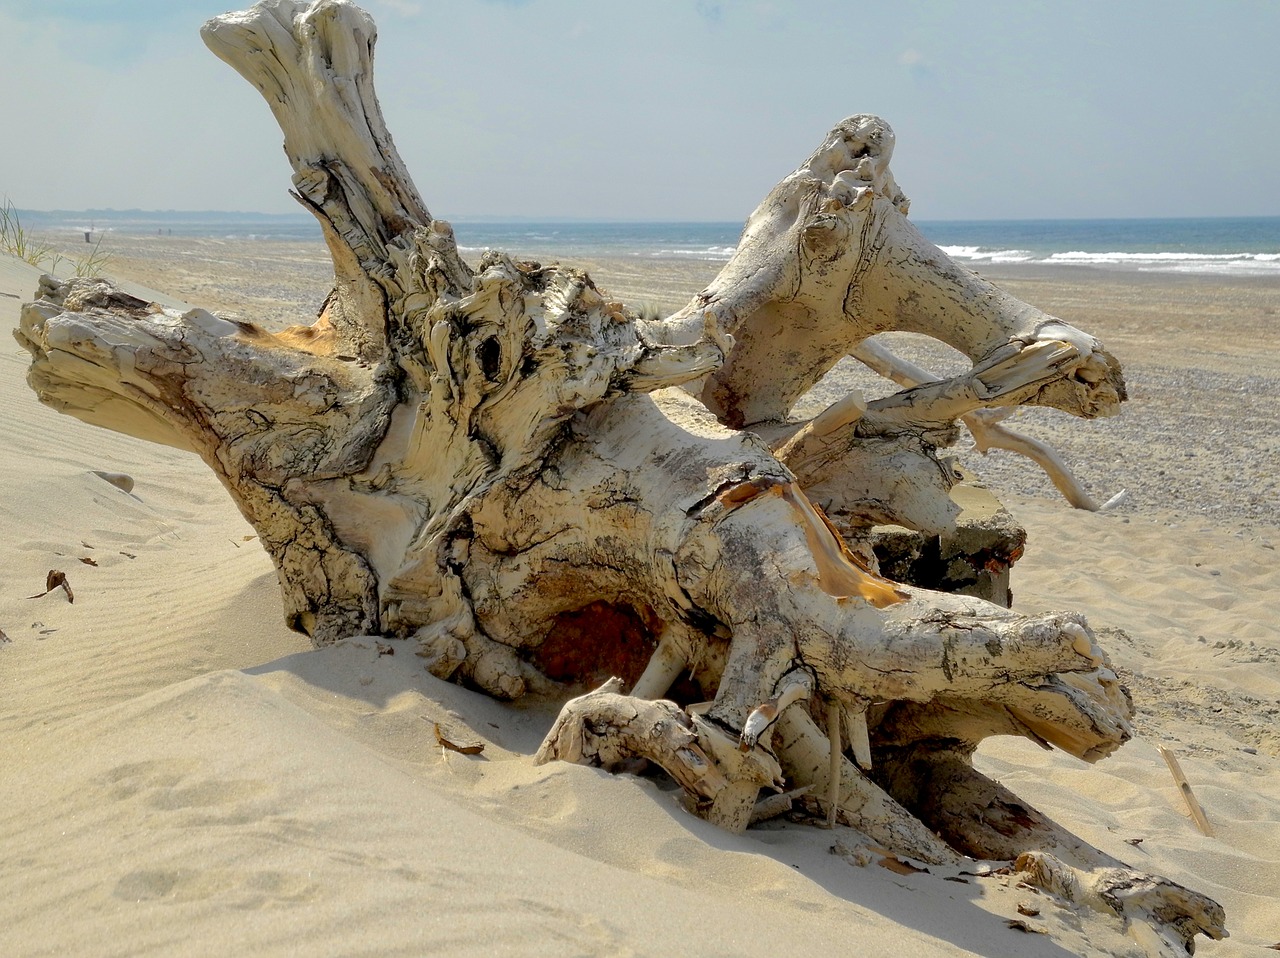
<point x="181" y="775"/>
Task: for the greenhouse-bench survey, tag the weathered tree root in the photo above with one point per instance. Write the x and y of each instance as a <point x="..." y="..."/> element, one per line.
<point x="484" y="457"/>
<point x="964" y="809"/>
<point x="1162" y="916"/>
<point x="606" y="729"/>
<point x="828" y="260"/>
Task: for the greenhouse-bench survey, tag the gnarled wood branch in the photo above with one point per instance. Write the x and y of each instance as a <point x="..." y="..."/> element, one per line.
<point x="494" y="461"/>
<point x="986" y="427"/>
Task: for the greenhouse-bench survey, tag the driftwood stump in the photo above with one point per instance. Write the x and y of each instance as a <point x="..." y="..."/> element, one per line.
<point x="499" y="462"/>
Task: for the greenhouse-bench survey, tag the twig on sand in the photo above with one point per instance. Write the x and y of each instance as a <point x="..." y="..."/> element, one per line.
<point x="1197" y="813"/>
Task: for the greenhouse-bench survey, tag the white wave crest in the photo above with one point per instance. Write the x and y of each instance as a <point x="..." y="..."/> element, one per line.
<point x="1176" y="261"/>
<point x="977" y="254"/>
<point x="706" y="252"/>
<point x="1171" y="261"/>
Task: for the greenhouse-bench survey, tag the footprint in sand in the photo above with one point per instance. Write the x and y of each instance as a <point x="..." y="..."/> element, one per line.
<point x="181" y="791"/>
<point x="239" y="889"/>
<point x="177" y="785"/>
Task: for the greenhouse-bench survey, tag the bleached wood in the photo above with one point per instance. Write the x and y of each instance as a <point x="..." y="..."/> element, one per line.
<point x="986" y="426"/>
<point x="778" y="803"/>
<point x="1162" y="916"/>
<point x="664" y="666"/>
<point x="829" y="258"/>
<point x="494" y="460"/>
<point x="803" y="751"/>
<point x="1184" y="786"/>
<point x="796" y="686"/>
<point x="835" y="759"/>
<point x="606" y="729"/>
<point x="313" y="65"/>
<point x="859" y="738"/>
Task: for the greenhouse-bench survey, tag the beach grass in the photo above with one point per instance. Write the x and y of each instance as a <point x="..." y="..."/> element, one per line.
<point x="93" y="263"/>
<point x="19" y="241"/>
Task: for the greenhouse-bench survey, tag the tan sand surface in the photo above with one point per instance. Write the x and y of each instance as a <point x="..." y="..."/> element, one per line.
<point x="180" y="775"/>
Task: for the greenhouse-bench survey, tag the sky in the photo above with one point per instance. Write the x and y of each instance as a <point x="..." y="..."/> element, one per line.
<point x="675" y="109"/>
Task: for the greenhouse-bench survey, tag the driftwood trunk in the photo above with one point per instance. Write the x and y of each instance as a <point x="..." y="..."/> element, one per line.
<point x="511" y="467"/>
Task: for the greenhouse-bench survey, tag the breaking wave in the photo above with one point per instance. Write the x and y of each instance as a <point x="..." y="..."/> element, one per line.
<point x="1237" y="264"/>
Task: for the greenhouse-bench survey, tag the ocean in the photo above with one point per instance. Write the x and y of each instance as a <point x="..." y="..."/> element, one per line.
<point x="1236" y="246"/>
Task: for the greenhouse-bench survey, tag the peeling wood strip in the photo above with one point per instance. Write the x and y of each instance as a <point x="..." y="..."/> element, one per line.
<point x="838" y="573"/>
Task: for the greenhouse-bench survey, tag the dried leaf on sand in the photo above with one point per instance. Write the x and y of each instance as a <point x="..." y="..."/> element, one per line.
<point x="465" y="749"/>
<point x="54" y="579"/>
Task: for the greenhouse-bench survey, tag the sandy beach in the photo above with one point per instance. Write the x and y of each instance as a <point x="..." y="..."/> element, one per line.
<point x="181" y="775"/>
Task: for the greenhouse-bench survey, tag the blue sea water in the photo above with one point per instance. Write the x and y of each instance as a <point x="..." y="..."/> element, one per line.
<point x="1234" y="246"/>
<point x="1224" y="246"/>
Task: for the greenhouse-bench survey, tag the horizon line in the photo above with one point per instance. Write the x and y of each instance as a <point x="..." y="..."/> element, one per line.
<point x="531" y="218"/>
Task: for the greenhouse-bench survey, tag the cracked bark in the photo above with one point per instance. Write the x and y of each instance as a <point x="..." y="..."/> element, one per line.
<point x="494" y="461"/>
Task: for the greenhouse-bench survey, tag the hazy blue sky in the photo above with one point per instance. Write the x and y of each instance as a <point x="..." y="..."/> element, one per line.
<point x="676" y="109"/>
